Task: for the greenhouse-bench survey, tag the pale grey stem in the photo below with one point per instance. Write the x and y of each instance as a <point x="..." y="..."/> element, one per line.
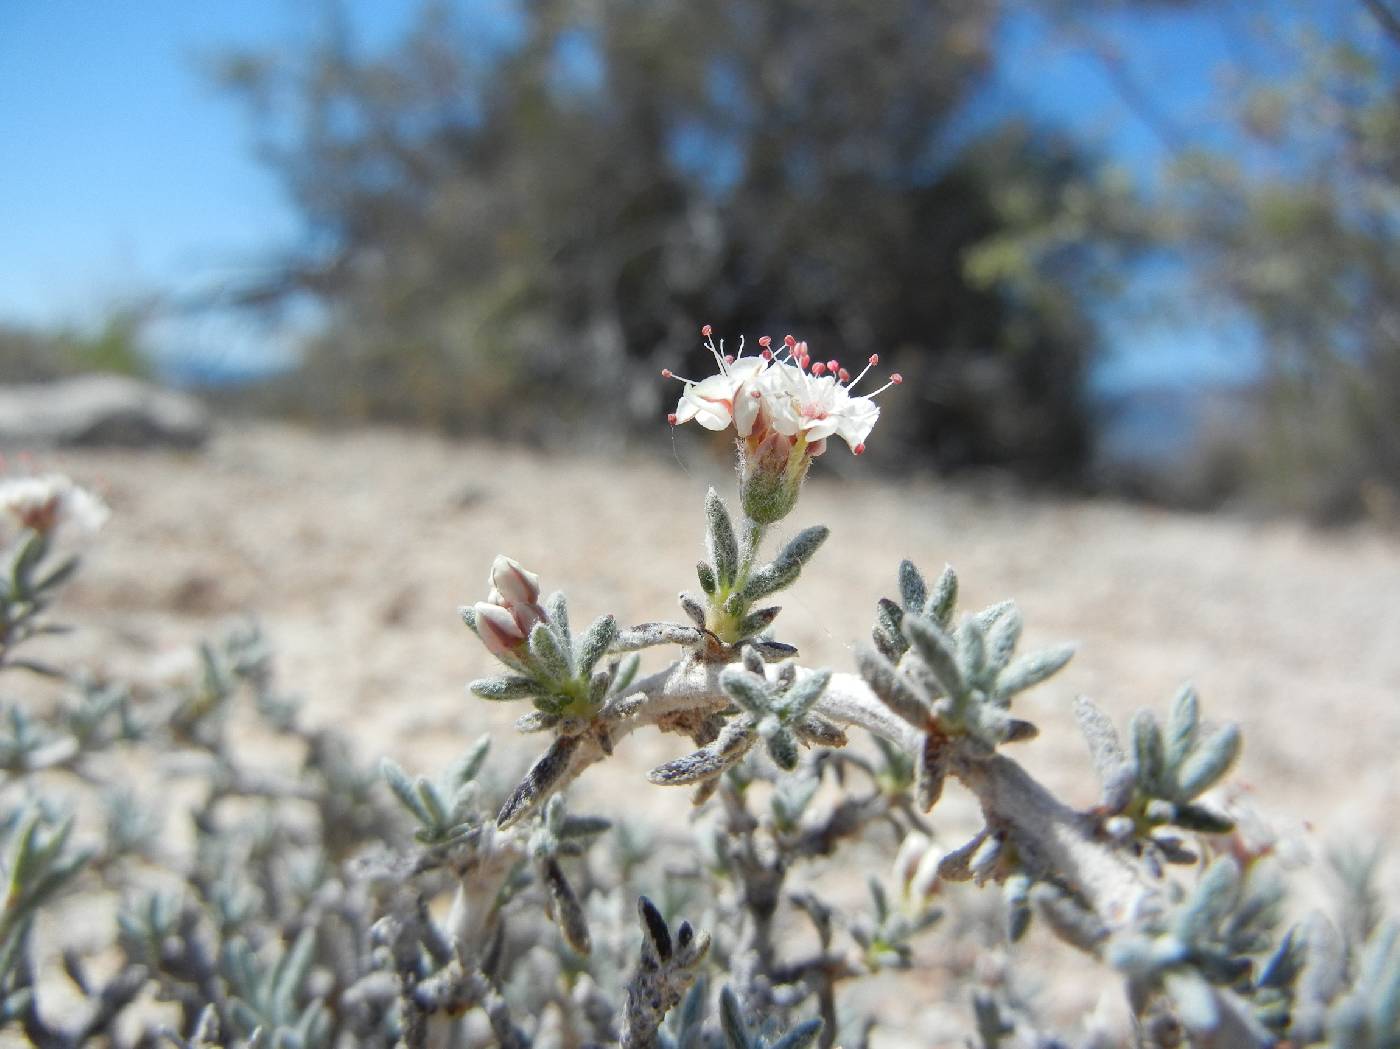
<point x="1045" y="830"/>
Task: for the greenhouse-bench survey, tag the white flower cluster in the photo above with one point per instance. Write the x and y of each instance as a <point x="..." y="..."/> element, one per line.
<point x="46" y="504"/>
<point x="786" y="393"/>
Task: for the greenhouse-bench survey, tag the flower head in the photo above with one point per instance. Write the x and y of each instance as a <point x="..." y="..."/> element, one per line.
<point x="786" y="393"/>
<point x="46" y="504"/>
<point x="817" y="406"/>
<point x="783" y="407"/>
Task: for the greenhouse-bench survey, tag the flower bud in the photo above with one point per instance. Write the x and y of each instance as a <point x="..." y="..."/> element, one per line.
<point x="499" y="630"/>
<point x="771" y="471"/>
<point x="515" y="585"/>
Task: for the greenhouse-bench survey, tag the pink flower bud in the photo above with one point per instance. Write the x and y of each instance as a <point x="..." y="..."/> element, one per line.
<point x="499" y="631"/>
<point x="516" y="585"/>
<point x="526" y="616"/>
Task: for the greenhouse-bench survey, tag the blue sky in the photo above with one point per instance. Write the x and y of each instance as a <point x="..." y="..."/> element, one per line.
<point x="122" y="170"/>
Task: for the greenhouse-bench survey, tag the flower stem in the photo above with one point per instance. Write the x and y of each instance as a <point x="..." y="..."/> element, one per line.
<point x="724" y="623"/>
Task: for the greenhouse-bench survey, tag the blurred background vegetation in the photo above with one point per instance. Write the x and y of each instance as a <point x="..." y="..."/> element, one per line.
<point x="511" y="216"/>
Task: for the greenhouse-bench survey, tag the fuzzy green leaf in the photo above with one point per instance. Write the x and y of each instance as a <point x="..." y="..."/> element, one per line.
<point x="1002" y="639"/>
<point x="734" y="740"/>
<point x="938" y="651"/>
<point x="548" y="653"/>
<point x="1182" y="723"/>
<point x="747" y="689"/>
<point x="894" y="691"/>
<point x="1102" y="737"/>
<point x="913" y="591"/>
<point x="1211" y="900"/>
<point x="504" y="688"/>
<point x="626" y="672"/>
<point x="736" y="1035"/>
<point x="1201" y="819"/>
<point x="723" y="547"/>
<point x="1032" y="669"/>
<point x="801" y="1036"/>
<point x="1148" y="754"/>
<point x="782" y="748"/>
<point x="595" y="643"/>
<point x="556" y="607"/>
<point x="706" y="575"/>
<point x="568" y="912"/>
<point x="432" y="801"/>
<point x="1208" y="762"/>
<point x="539" y="782"/>
<point x="404" y="790"/>
<point x="769" y="579"/>
<point x="692" y="607"/>
<point x="803" y="546"/>
<point x="759" y="621"/>
<point x="655" y="928"/>
<point x="944" y="598"/>
<point x="972" y="649"/>
<point x="801" y="697"/>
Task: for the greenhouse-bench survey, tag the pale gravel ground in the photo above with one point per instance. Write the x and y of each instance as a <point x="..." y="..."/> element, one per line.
<point x="354" y="551"/>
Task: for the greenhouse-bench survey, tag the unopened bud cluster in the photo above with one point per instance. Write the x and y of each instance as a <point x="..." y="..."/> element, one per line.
<point x="511" y="610"/>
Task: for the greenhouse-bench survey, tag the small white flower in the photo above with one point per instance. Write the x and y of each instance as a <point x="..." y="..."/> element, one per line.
<point x="46" y="504"/>
<point x="816" y="407"/>
<point x="815" y="401"/>
<point x="729" y="397"/>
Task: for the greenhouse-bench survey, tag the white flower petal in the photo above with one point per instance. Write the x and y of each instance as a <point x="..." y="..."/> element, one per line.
<point x="746" y="408"/>
<point x="746" y="369"/>
<point x="857" y="420"/>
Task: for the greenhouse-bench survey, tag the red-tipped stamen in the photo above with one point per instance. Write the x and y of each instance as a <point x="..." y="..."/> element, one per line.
<point x="857" y="450"/>
<point x="706" y="331"/>
<point x="767" y="355"/>
<point x="729" y="358"/>
<point x="672" y="419"/>
<point x="666" y="373"/>
<point x="833" y="365"/>
<point x="789" y="341"/>
<point x="895" y="380"/>
<point x="874" y="360"/>
<point x="819" y="368"/>
<point x="765" y="341"/>
<point x="843" y="376"/>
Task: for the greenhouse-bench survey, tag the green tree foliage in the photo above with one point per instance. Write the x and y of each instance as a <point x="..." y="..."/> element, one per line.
<point x="118" y="345"/>
<point x="508" y="215"/>
<point x="1297" y="222"/>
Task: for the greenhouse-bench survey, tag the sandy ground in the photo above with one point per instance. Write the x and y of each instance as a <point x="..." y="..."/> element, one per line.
<point x="354" y="552"/>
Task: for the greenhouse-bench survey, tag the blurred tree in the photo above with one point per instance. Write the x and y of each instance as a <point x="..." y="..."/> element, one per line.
<point x="515" y="207"/>
<point x="117" y="345"/>
<point x="1297" y="220"/>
